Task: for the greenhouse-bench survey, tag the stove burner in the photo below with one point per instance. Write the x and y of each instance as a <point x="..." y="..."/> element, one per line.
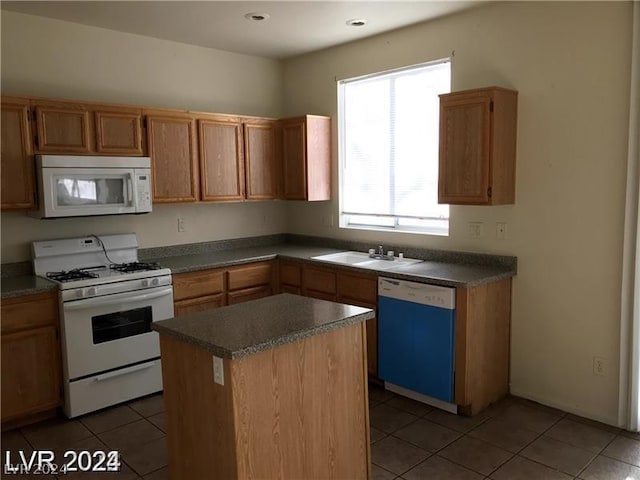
<point x="134" y="267"/>
<point x="75" y="274"/>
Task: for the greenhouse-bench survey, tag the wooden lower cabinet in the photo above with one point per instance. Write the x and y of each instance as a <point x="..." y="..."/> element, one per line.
<point x="336" y="285"/>
<point x="193" y="305"/>
<point x="362" y="290"/>
<point x="482" y="339"/>
<point x="31" y="361"/>
<point x="213" y="288"/>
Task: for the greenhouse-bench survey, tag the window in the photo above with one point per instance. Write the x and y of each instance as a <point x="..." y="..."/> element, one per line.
<point x="389" y="149"/>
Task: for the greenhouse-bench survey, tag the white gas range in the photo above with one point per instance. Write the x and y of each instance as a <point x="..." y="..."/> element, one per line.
<point x="108" y="301"/>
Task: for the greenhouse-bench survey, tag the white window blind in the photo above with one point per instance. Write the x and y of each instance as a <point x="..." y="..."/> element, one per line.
<point x="389" y="149"/>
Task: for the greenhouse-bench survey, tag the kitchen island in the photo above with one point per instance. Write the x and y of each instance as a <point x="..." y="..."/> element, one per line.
<point x="272" y="388"/>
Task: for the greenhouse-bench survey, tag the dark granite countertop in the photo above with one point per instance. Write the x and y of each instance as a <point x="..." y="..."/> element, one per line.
<point x="236" y="331"/>
<point x="449" y="274"/>
<point x="25" y="285"/>
<point x="451" y="269"/>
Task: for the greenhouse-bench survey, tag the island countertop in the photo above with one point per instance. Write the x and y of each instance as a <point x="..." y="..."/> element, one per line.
<point x="236" y="331"/>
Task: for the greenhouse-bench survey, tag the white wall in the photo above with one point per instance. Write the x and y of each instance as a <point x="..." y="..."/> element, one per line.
<point x="570" y="62"/>
<point x="56" y="59"/>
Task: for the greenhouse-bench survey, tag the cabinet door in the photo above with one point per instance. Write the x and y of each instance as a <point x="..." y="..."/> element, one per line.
<point x="17" y="159"/>
<point x="247" y="294"/>
<point x="185" y="307"/>
<point x="362" y="290"/>
<point x="294" y="152"/>
<point x="172" y="148"/>
<point x="118" y="132"/>
<point x="465" y="142"/>
<point x="260" y="161"/>
<point x="221" y="160"/>
<point x="250" y="276"/>
<point x="198" y="284"/>
<point x="62" y="128"/>
<point x="30" y="372"/>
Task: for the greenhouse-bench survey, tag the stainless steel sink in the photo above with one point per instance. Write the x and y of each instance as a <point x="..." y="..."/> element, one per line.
<point x="362" y="260"/>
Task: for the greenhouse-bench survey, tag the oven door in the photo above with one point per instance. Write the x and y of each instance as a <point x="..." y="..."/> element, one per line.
<point x="113" y="331"/>
<point x="71" y="192"/>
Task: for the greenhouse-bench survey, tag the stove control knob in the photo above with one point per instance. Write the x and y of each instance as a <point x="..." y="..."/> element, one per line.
<point x="80" y="293"/>
<point x="155" y="282"/>
<point x="145" y="283"/>
<point x="92" y="291"/>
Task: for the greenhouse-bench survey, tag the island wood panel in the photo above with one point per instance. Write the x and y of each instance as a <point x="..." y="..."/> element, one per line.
<point x="260" y="160"/>
<point x="62" y="128"/>
<point x="482" y="336"/>
<point x="171" y="144"/>
<point x="201" y="440"/>
<point x="301" y="409"/>
<point x="18" y="189"/>
<point x="198" y="284"/>
<point x="118" y="132"/>
<point x="193" y="305"/>
<point x="221" y="160"/>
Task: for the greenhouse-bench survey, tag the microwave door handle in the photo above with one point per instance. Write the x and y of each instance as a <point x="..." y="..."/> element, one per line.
<point x="110" y="300"/>
<point x="130" y="189"/>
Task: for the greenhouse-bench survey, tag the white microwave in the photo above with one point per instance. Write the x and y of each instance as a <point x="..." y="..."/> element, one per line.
<point x="74" y="186"/>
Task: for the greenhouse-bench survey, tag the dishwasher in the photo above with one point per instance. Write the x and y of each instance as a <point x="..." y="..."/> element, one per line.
<point x="416" y="340"/>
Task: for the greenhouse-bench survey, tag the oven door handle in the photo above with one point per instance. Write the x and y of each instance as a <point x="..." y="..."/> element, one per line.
<point x="112" y="300"/>
<point x="124" y="371"/>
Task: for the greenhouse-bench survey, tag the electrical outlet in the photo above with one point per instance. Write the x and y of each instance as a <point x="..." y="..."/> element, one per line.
<point x="218" y="370"/>
<point x="475" y="229"/>
<point x="599" y="366"/>
<point x="180" y="224"/>
<point x="501" y="230"/>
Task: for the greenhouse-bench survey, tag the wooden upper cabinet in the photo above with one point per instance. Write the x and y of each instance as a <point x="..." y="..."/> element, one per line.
<point x="171" y="144"/>
<point x="260" y="160"/>
<point x="306" y="158"/>
<point x="221" y="159"/>
<point x="16" y="154"/>
<point x="478" y="147"/>
<point x="86" y="128"/>
<point x="118" y="132"/>
<point x="62" y="127"/>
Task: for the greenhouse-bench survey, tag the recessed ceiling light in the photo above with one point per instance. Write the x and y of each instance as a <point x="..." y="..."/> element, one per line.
<point x="357" y="22"/>
<point x="256" y="16"/>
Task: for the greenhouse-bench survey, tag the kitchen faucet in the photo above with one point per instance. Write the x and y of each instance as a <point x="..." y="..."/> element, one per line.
<point x="380" y="254"/>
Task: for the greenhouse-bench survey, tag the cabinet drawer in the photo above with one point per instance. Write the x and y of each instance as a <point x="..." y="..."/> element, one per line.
<point x="197" y="284"/>
<point x="250" y="276"/>
<point x="360" y="288"/>
<point x="185" y="307"/>
<point x="247" y="294"/>
<point x="319" y="280"/>
<point x="29" y="311"/>
<point x="290" y="274"/>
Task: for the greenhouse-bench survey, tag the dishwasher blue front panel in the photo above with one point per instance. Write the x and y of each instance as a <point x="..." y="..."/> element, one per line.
<point x="415" y="347"/>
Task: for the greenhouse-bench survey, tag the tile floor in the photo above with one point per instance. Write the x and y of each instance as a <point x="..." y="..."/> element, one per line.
<point x="512" y="440"/>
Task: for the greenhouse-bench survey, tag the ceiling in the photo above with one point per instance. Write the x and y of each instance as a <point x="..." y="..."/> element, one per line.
<point x="293" y="28"/>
